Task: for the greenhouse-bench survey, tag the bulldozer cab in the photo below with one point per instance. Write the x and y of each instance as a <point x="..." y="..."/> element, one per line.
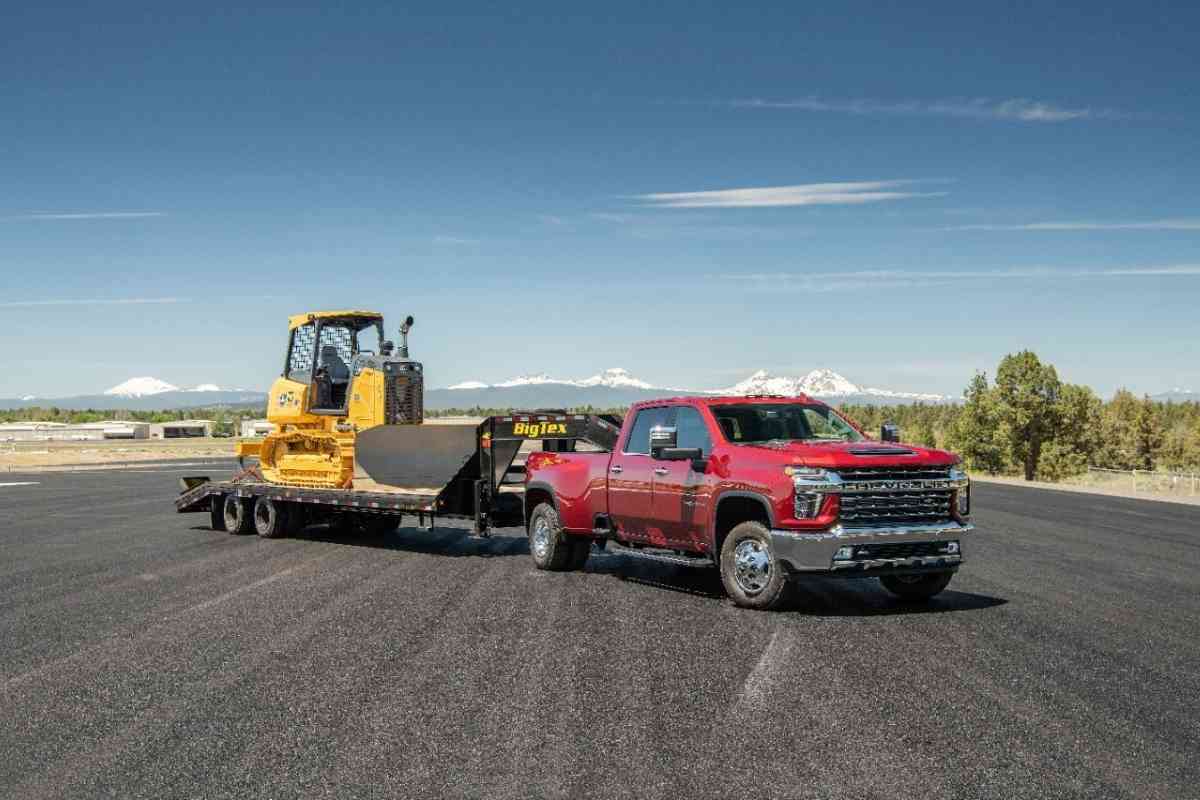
<point x="322" y="348"/>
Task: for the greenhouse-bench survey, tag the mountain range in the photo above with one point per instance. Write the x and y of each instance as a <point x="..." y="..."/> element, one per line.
<point x="607" y="389"/>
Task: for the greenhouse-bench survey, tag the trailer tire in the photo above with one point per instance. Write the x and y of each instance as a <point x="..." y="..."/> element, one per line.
<point x="239" y="515"/>
<point x="270" y="518"/>
<point x="752" y="576"/>
<point x="216" y="512"/>
<point x="549" y="546"/>
<point x="581" y="548"/>
<point x="916" y="587"/>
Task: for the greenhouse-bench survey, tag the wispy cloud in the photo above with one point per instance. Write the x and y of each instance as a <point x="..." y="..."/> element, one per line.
<point x="1154" y="225"/>
<point x="454" y="240"/>
<point x="1017" y="109"/>
<point x="117" y="301"/>
<point x="854" y="280"/>
<point x="88" y="215"/>
<point x="809" y="194"/>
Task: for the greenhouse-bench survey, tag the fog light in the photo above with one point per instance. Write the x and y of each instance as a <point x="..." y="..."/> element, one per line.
<point x="963" y="501"/>
<point x="844" y="554"/>
<point x="951" y="548"/>
<point x="808" y="504"/>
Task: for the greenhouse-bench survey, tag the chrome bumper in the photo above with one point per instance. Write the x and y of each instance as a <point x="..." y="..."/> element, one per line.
<point x="813" y="551"/>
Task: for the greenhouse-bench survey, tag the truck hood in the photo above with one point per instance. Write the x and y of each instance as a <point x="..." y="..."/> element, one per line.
<point x="847" y="454"/>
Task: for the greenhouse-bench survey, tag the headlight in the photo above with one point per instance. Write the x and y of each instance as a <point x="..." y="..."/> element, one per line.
<point x="812" y="484"/>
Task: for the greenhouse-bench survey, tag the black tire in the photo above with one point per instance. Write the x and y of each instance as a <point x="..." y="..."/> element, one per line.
<point x="239" y="515"/>
<point x="761" y="582"/>
<point x="916" y="587"/>
<point x="581" y="548"/>
<point x="270" y="518"/>
<point x="216" y="512"/>
<point x="550" y="547"/>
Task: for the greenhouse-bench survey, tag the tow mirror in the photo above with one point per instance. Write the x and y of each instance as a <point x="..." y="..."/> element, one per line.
<point x="662" y="437"/>
<point x="889" y="432"/>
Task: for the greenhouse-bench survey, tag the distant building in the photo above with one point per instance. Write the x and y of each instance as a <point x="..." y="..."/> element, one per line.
<point x="181" y="429"/>
<point x="77" y="432"/>
<point x="256" y="427"/>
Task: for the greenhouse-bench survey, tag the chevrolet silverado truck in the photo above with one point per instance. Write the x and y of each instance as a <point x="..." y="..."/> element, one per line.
<point x="767" y="489"/>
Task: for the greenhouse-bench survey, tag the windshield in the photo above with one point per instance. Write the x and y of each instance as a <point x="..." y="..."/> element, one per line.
<point x="753" y="423"/>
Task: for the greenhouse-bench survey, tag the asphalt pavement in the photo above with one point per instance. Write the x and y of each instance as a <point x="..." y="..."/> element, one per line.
<point x="144" y="655"/>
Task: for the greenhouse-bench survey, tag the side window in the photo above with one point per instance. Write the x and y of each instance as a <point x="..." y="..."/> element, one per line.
<point x="300" y="357"/>
<point x="819" y="425"/>
<point x="691" y="429"/>
<point x="639" y="435"/>
<point x="341" y="339"/>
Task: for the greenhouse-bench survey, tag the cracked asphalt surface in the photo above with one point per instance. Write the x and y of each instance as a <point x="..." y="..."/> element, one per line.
<point x="144" y="655"/>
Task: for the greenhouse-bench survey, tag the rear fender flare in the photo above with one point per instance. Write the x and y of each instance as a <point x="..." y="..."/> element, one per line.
<point x="539" y="486"/>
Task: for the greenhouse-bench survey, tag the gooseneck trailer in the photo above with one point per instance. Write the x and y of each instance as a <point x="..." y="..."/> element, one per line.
<point x="430" y="471"/>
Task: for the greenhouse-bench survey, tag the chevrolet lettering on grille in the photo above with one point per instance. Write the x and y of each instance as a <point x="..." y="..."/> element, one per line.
<point x="899" y="486"/>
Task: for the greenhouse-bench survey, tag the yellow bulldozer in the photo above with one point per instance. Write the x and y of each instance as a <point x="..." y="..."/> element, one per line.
<point x="333" y="388"/>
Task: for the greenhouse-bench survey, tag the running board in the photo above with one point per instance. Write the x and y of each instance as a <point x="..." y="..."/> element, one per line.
<point x="661" y="556"/>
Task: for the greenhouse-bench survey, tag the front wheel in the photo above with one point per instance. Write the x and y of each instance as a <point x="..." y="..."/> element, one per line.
<point x="752" y="576"/>
<point x="916" y="587"/>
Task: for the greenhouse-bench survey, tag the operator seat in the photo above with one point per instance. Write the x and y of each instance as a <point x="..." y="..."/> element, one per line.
<point x="334" y="378"/>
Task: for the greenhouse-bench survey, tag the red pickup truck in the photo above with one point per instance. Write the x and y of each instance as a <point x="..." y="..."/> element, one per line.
<point x="765" y="488"/>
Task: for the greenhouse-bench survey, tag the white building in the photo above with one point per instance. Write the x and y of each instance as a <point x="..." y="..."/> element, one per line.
<point x="252" y="428"/>
<point x="68" y="432"/>
<point x="181" y="429"/>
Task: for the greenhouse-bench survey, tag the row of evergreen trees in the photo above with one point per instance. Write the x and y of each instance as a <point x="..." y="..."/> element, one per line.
<point x="1028" y="422"/>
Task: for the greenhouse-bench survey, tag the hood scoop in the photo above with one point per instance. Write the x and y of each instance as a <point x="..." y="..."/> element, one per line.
<point x="876" y="450"/>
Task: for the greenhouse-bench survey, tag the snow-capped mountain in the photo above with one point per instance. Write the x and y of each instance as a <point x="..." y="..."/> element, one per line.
<point x="1177" y="395"/>
<point x="823" y="383"/>
<point x="140" y="387"/>
<point x="207" y="387"/>
<point x="616" y="386"/>
<point x="613" y="377"/>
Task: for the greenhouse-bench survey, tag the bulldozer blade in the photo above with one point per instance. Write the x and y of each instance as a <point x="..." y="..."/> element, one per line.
<point x="414" y="456"/>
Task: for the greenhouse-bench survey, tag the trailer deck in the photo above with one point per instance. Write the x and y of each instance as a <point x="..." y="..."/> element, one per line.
<point x="475" y="469"/>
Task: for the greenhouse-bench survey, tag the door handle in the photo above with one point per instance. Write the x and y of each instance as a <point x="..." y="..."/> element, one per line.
<point x="661" y="470"/>
<point x="616" y="468"/>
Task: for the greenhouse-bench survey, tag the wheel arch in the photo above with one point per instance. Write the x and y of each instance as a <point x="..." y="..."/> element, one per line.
<point x="733" y="508"/>
<point x="536" y="493"/>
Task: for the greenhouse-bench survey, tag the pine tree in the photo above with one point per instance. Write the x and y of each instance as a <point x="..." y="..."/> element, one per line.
<point x="1027" y="393"/>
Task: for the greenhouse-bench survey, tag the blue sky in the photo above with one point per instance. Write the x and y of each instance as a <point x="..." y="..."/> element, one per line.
<point x="691" y="191"/>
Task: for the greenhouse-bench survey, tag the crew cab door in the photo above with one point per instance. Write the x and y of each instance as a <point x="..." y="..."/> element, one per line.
<point x="681" y="495"/>
<point x="631" y="474"/>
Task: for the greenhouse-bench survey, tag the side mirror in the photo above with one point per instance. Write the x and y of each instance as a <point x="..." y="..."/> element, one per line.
<point x="889" y="432"/>
<point x="662" y="437"/>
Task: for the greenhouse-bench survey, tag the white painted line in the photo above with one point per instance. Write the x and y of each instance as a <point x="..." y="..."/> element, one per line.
<point x="21" y="483"/>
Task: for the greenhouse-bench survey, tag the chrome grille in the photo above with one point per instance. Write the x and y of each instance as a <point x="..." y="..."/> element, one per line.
<point x="895" y="508"/>
<point x="853" y="474"/>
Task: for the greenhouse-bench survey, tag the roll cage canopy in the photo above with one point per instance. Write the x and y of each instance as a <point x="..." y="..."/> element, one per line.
<point x="355" y="319"/>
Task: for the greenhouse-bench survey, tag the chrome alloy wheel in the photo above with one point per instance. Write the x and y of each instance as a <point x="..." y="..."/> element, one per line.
<point x="751" y="566"/>
<point x="540" y="540"/>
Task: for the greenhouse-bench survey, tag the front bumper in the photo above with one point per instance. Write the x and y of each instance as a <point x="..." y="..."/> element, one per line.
<point x="814" y="551"/>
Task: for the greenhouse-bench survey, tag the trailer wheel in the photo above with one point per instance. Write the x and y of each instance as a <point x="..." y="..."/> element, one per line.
<point x="216" y="512"/>
<point x="549" y="546"/>
<point x="752" y="576"/>
<point x="270" y="518"/>
<point x="239" y="515"/>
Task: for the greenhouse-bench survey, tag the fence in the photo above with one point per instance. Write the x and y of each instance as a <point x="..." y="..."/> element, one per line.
<point x="1178" y="484"/>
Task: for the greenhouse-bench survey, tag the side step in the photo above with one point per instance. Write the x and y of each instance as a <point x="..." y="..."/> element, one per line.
<point x="661" y="556"/>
